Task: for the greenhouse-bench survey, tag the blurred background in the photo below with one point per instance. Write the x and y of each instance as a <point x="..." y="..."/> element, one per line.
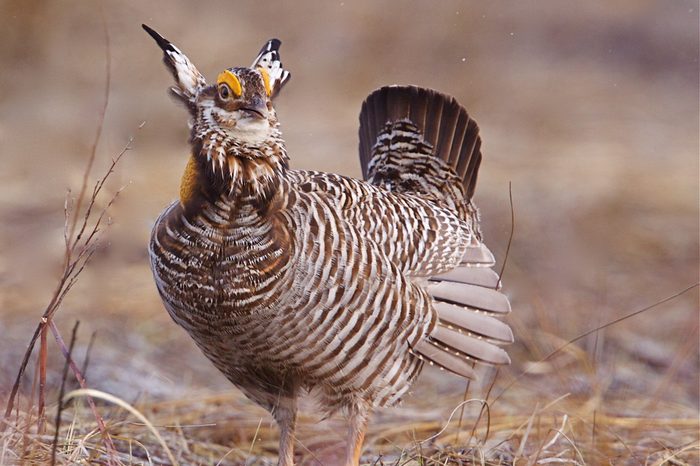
<point x="589" y="109"/>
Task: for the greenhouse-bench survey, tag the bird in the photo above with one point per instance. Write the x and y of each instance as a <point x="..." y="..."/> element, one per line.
<point x="294" y="281"/>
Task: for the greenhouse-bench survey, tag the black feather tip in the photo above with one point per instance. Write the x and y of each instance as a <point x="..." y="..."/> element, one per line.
<point x="162" y="42"/>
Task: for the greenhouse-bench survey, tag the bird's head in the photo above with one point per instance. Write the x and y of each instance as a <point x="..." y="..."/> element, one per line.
<point x="240" y="102"/>
<point x="233" y="120"/>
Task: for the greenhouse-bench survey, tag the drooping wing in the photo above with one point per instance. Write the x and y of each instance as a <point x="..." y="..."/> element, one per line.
<point x="433" y="249"/>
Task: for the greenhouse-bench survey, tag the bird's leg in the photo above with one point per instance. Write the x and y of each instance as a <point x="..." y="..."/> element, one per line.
<point x="286" y="416"/>
<point x="357" y="425"/>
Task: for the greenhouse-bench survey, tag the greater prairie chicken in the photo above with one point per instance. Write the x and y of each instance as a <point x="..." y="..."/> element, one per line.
<point x="292" y="280"/>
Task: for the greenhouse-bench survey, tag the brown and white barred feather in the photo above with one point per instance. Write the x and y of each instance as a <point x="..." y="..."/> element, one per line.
<point x="346" y="287"/>
<point x="290" y="280"/>
<point x="314" y="305"/>
<point x="422" y="143"/>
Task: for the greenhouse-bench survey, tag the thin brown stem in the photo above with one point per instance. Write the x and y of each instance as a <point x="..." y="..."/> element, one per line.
<point x="72" y="268"/>
<point x="512" y="233"/>
<point x="43" y="354"/>
<point x="86" y="361"/>
<point x="61" y="393"/>
<point x="461" y="412"/>
<point x="81" y="380"/>
<point x="485" y="407"/>
<point x="20" y="373"/>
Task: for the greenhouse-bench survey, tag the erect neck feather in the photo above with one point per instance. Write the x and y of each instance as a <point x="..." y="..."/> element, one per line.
<point x="235" y="169"/>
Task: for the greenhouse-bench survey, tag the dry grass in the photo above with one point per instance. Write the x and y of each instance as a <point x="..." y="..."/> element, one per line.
<point x="567" y="430"/>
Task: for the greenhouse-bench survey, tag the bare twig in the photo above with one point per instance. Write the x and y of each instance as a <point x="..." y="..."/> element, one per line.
<point x="73" y="264"/>
<point x="20" y="373"/>
<point x="461" y="412"/>
<point x="616" y="321"/>
<point x="510" y="238"/>
<point x="81" y="380"/>
<point x="78" y="254"/>
<point x="43" y="354"/>
<point x="61" y="392"/>
<point x="486" y="407"/>
<point x="86" y="361"/>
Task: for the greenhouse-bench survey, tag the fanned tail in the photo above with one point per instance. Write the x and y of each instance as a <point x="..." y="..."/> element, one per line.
<point x="419" y="140"/>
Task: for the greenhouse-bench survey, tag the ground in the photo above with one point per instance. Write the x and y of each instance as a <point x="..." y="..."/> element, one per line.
<point x="588" y="110"/>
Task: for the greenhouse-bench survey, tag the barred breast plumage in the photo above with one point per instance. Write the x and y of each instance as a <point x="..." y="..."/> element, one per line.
<point x="295" y="280"/>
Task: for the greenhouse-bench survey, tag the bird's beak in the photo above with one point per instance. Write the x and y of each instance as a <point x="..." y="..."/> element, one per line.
<point x="256" y="108"/>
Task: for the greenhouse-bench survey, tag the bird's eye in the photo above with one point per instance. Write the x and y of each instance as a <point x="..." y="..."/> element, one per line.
<point x="229" y="81"/>
<point x="224" y="92"/>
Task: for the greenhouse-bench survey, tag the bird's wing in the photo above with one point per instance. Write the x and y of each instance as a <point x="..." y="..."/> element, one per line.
<point x="436" y="252"/>
<point x="419" y="237"/>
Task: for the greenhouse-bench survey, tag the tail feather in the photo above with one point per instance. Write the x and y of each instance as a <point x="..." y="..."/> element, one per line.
<point x="460" y="134"/>
<point x="439" y="121"/>
<point x="468" y="166"/>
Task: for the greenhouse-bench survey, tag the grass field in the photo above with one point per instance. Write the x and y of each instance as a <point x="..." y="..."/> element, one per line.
<point x="588" y="110"/>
